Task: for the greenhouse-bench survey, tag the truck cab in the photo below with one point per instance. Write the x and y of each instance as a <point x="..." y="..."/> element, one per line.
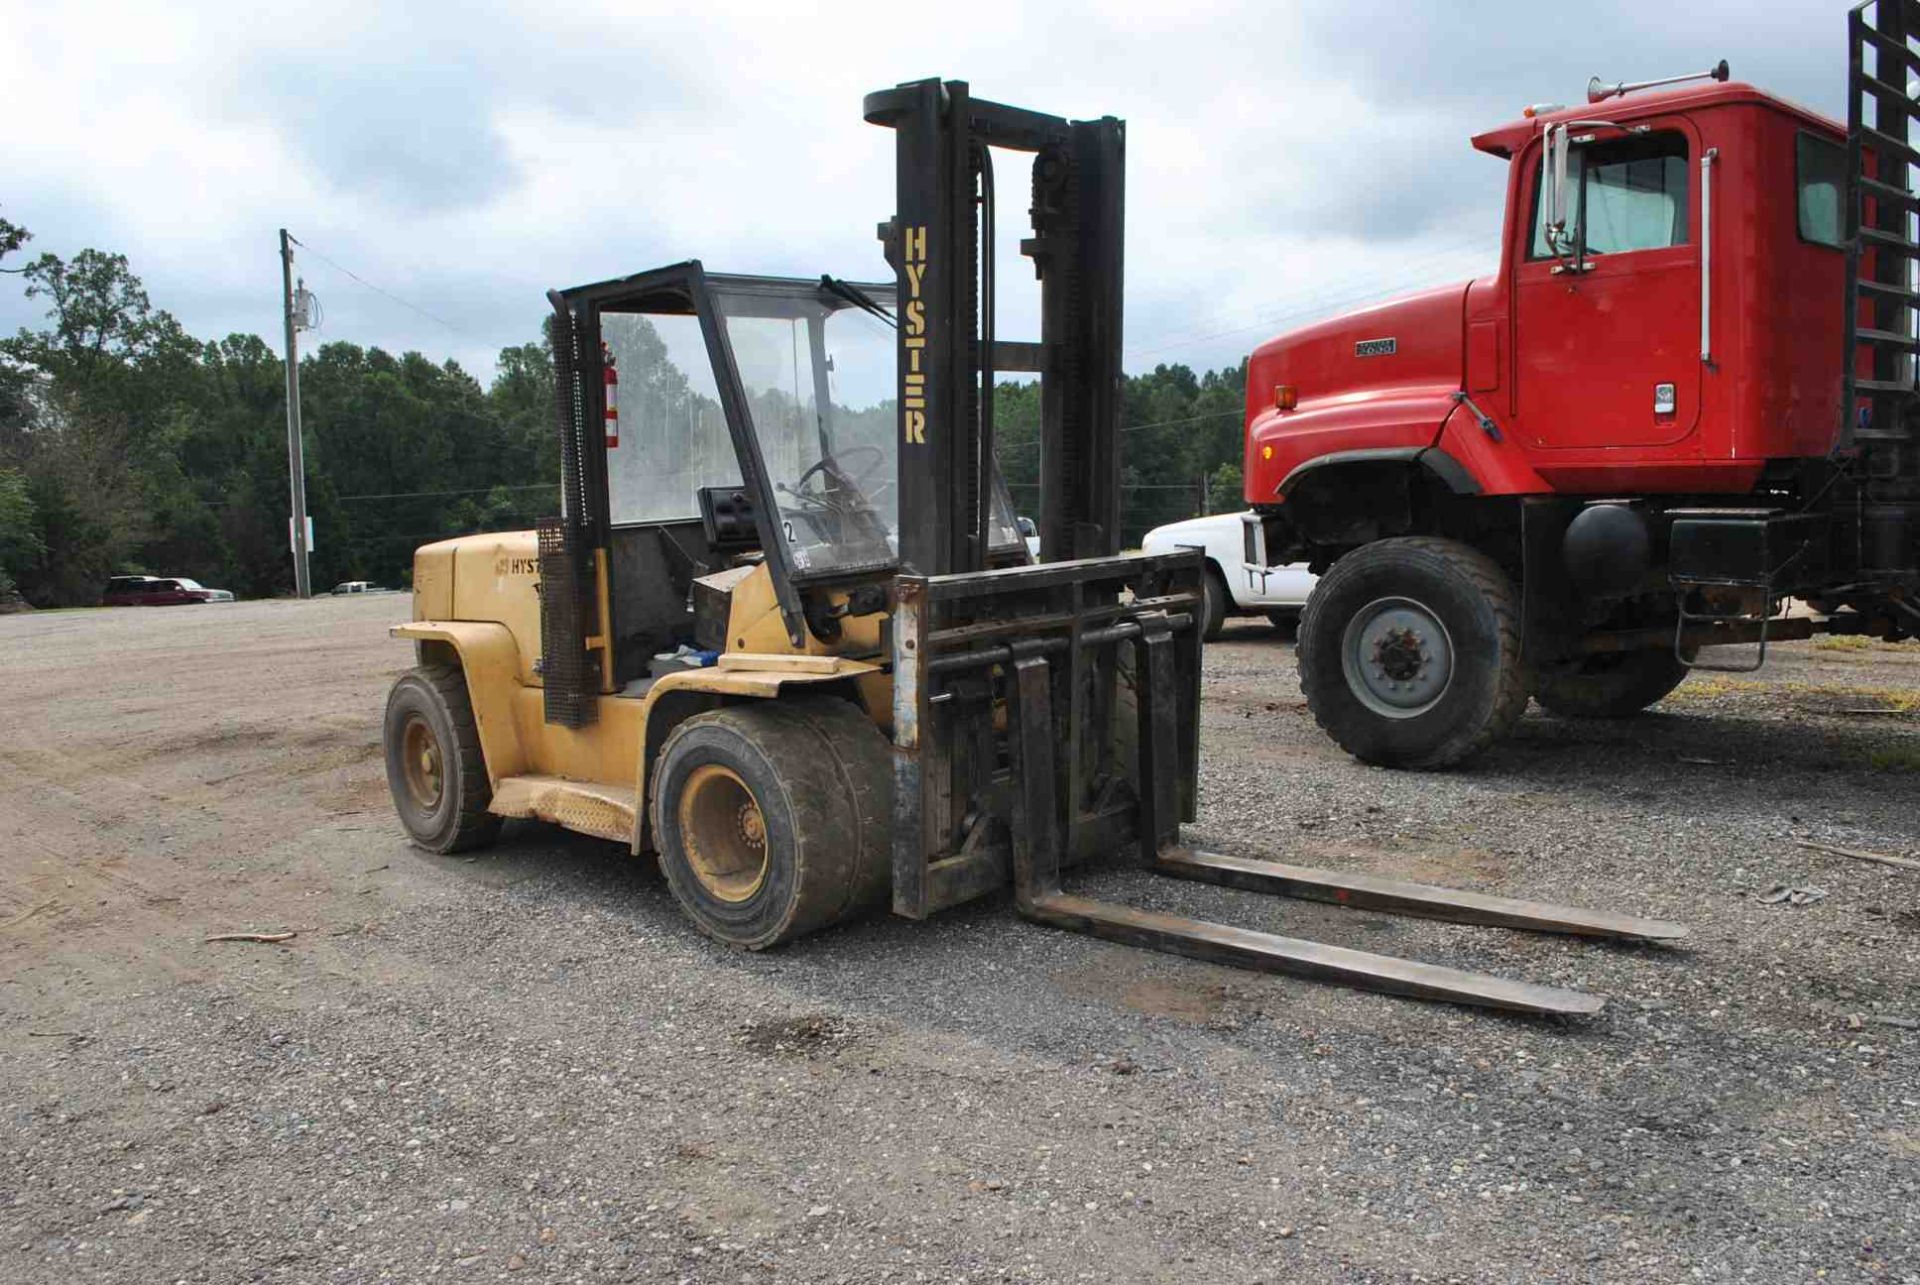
<point x="1682" y="333"/>
<point x="1684" y="397"/>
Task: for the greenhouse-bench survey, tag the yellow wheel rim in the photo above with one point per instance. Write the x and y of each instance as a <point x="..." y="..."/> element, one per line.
<point x="421" y="765"/>
<point x="723" y="833"/>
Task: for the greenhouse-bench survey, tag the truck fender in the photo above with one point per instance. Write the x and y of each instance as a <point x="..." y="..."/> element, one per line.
<point x="489" y="660"/>
<point x="1498" y="465"/>
<point x="1443" y="466"/>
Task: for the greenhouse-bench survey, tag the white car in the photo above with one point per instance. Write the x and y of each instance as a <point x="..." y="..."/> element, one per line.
<point x="1239" y="581"/>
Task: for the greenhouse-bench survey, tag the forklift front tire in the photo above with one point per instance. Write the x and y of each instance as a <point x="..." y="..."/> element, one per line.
<point x="435" y="770"/>
<point x="773" y="819"/>
<point x="1409" y="652"/>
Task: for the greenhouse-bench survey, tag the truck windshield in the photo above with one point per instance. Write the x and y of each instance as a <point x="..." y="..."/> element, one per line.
<point x="818" y="372"/>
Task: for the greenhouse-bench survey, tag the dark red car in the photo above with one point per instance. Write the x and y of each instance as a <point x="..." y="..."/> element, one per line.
<point x="158" y="591"/>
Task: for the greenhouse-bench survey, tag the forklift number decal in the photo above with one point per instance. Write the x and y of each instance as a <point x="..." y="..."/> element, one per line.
<point x="1376" y="347"/>
<point x="913" y="381"/>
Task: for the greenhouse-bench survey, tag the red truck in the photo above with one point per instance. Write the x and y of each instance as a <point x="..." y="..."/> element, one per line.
<point x="158" y="591"/>
<point x="1685" y="398"/>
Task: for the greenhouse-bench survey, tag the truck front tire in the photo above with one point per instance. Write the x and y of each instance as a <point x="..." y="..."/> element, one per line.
<point x="1215" y="602"/>
<point x="1409" y="652"/>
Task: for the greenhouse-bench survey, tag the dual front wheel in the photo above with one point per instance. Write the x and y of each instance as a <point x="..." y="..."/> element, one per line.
<point x="773" y="819"/>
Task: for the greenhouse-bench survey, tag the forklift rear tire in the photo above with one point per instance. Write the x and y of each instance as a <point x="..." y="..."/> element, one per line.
<point x="1409" y="652"/>
<point x="435" y="770"/>
<point x="774" y="819"/>
<point x="1215" y="602"/>
<point x="1609" y="686"/>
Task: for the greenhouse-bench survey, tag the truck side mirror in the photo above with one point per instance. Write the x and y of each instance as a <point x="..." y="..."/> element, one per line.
<point x="1553" y="188"/>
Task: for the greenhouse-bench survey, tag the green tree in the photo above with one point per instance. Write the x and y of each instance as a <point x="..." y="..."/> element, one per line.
<point x="21" y="544"/>
<point x="87" y="501"/>
<point x="12" y="237"/>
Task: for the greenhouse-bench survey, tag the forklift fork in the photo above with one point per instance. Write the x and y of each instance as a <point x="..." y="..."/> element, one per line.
<point x="1041" y="897"/>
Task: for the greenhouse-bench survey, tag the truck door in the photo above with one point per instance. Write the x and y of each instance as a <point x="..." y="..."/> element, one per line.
<point x="1609" y="354"/>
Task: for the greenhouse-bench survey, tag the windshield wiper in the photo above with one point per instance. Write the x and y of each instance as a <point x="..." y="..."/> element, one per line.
<point x="857" y="297"/>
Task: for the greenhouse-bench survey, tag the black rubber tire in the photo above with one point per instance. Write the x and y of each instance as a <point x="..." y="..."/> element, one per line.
<point x="1608" y="686"/>
<point x="435" y="696"/>
<point x="1468" y="593"/>
<point x="822" y="777"/>
<point x="1216" y="604"/>
<point x="1285" y="619"/>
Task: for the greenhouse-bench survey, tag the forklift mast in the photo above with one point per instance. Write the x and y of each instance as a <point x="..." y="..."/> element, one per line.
<point x="1047" y="715"/>
<point x="1040" y="715"/>
<point x="940" y="245"/>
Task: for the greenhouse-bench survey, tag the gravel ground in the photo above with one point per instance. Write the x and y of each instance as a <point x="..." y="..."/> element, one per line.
<point x="526" y="1064"/>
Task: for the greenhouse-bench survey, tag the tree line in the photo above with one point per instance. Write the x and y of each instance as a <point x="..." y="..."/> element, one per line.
<point x="128" y="446"/>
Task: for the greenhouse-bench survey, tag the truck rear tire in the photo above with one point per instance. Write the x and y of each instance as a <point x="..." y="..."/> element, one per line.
<point x="435" y="770"/>
<point x="1409" y="652"/>
<point x="774" y="819"/>
<point x="1611" y="686"/>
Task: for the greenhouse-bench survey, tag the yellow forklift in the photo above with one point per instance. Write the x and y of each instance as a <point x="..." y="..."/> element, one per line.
<point x="785" y="632"/>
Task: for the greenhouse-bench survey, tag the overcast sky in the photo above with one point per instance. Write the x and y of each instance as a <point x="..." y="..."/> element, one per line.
<point x="1283" y="159"/>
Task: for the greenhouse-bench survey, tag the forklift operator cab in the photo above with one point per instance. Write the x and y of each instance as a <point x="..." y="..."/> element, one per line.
<point x="750" y="422"/>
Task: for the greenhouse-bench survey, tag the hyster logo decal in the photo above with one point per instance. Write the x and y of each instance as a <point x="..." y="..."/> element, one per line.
<point x="913" y="383"/>
<point x="506" y="566"/>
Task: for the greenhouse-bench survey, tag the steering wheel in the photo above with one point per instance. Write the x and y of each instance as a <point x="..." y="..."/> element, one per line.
<point x="877" y="460"/>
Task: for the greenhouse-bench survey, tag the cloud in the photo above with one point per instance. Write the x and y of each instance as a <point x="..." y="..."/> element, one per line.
<point x="1282" y="160"/>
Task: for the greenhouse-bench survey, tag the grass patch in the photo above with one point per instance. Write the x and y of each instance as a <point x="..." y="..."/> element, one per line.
<point x="1843" y="642"/>
<point x="1707" y="687"/>
<point x="1895" y="758"/>
<point x="1904" y="699"/>
<point x="1701" y="686"/>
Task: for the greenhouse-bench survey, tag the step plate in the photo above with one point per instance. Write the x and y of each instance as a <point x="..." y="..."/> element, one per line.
<point x="1245" y="948"/>
<point x="1396" y="896"/>
<point x="590" y="807"/>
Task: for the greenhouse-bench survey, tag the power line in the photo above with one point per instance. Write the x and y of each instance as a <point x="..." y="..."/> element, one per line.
<point x="477" y="490"/>
<point x="1317" y="303"/>
<point x="1125" y="486"/>
<point x="1191" y="419"/>
<point x="1140" y="428"/>
<point x="385" y="293"/>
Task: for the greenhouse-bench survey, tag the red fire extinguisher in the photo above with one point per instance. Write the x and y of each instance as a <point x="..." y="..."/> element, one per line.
<point x="612" y="378"/>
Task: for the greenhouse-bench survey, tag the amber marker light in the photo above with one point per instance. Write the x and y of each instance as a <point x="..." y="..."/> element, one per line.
<point x="1285" y="396"/>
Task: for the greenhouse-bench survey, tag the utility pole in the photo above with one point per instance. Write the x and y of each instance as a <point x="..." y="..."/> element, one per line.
<point x="296" y="458"/>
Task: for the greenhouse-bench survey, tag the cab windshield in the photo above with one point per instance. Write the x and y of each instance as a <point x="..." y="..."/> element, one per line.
<point x="818" y="372"/>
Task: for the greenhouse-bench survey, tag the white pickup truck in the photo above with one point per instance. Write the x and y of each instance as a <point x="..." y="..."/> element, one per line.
<point x="1239" y="581"/>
